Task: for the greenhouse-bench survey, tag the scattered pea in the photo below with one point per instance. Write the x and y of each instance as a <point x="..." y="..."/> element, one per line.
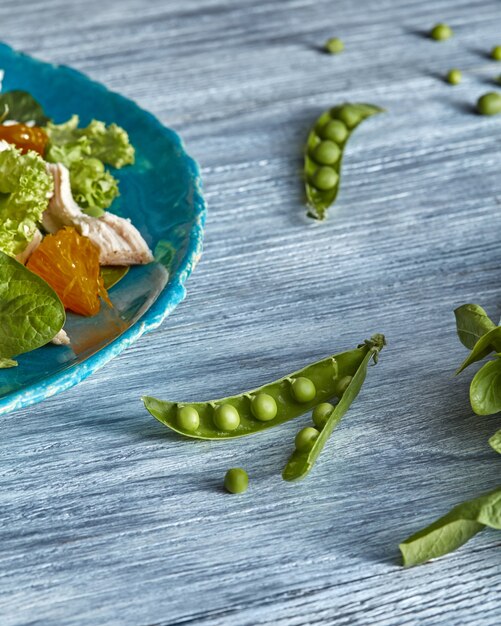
<point x="303" y="389"/>
<point x="334" y="45"/>
<point x="188" y="418"/>
<point x="236" y="480"/>
<point x="454" y="77"/>
<point x="226" y="417"/>
<point x="335" y="130"/>
<point x="306" y="438"/>
<point x="441" y="32"/>
<point x="325" y="178"/>
<point x="327" y="152"/>
<point x="489" y="103"/>
<point x="320" y="414"/>
<point x="496" y="53"/>
<point x="264" y="407"/>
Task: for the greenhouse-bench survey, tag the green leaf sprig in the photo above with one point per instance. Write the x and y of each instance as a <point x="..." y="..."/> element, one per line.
<point x="454" y="529"/>
<point x="31" y="313"/>
<point x="479" y="334"/>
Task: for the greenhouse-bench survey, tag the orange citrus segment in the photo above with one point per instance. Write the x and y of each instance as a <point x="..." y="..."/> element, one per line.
<point x="25" y="137"/>
<point x="69" y="262"/>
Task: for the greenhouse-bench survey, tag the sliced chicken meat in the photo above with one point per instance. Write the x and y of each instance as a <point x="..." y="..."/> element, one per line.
<point x="61" y="339"/>
<point x="119" y="242"/>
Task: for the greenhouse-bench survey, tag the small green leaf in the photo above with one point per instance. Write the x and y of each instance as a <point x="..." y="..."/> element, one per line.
<point x="112" y="274"/>
<point x="31" y="314"/>
<point x="6" y="363"/>
<point x="495" y="441"/>
<point x="454" y="529"/>
<point x="490" y="342"/>
<point x="485" y="389"/>
<point x="472" y="322"/>
<point x="22" y="107"/>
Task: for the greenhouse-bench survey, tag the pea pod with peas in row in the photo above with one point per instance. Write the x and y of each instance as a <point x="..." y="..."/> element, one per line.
<point x="324" y="153"/>
<point x="269" y="405"/>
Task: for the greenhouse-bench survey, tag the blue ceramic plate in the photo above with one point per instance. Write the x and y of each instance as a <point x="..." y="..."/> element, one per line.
<point x="162" y="195"/>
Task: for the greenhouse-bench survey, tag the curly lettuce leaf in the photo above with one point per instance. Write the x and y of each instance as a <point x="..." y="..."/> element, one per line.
<point x="85" y="152"/>
<point x="93" y="187"/>
<point x="25" y="188"/>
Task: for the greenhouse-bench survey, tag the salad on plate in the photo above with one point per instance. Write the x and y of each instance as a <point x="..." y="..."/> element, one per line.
<point x="61" y="248"/>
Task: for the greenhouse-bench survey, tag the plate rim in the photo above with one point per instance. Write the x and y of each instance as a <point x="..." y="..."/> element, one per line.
<point x="170" y="296"/>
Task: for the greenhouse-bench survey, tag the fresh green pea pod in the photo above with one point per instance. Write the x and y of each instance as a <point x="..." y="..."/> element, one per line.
<point x="303" y="458"/>
<point x="267" y="406"/>
<point x="324" y="153"/>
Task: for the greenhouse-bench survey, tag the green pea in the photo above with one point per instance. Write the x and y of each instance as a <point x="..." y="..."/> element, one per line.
<point x="350" y="116"/>
<point x="441" y="32"/>
<point x="342" y="385"/>
<point x="188" y="418"/>
<point x="496" y="53"/>
<point x="303" y="389"/>
<point x="334" y="45"/>
<point x="325" y="178"/>
<point x="327" y="152"/>
<point x="236" y="480"/>
<point x="489" y="103"/>
<point x="226" y="417"/>
<point x="454" y="77"/>
<point x="335" y="130"/>
<point x="306" y="438"/>
<point x="320" y="414"/>
<point x="263" y="407"/>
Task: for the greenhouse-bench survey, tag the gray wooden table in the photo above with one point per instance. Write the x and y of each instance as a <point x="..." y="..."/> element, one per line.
<point x="108" y="518"/>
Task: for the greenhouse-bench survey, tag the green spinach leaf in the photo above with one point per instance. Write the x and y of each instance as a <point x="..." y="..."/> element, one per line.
<point x="495" y="441"/>
<point x="472" y="322"/>
<point x="454" y="529"/>
<point x="485" y="389"/>
<point x="31" y="313"/>
<point x="490" y="342"/>
<point x="22" y="107"/>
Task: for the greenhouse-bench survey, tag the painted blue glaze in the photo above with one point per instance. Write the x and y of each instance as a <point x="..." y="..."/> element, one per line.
<point x="161" y="193"/>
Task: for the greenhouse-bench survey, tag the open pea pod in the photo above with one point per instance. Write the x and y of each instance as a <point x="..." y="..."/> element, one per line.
<point x="301" y="461"/>
<point x="266" y="406"/>
<point x="324" y="153"/>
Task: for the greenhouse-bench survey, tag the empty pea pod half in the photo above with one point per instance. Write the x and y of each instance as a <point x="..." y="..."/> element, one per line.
<point x="266" y="406"/>
<point x="310" y="441"/>
<point x="324" y="153"/>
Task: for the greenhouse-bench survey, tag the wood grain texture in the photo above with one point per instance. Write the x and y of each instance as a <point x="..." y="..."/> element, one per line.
<point x="108" y="518"/>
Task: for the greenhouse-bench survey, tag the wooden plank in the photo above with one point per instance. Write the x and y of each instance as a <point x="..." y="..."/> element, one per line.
<point x="108" y="518"/>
